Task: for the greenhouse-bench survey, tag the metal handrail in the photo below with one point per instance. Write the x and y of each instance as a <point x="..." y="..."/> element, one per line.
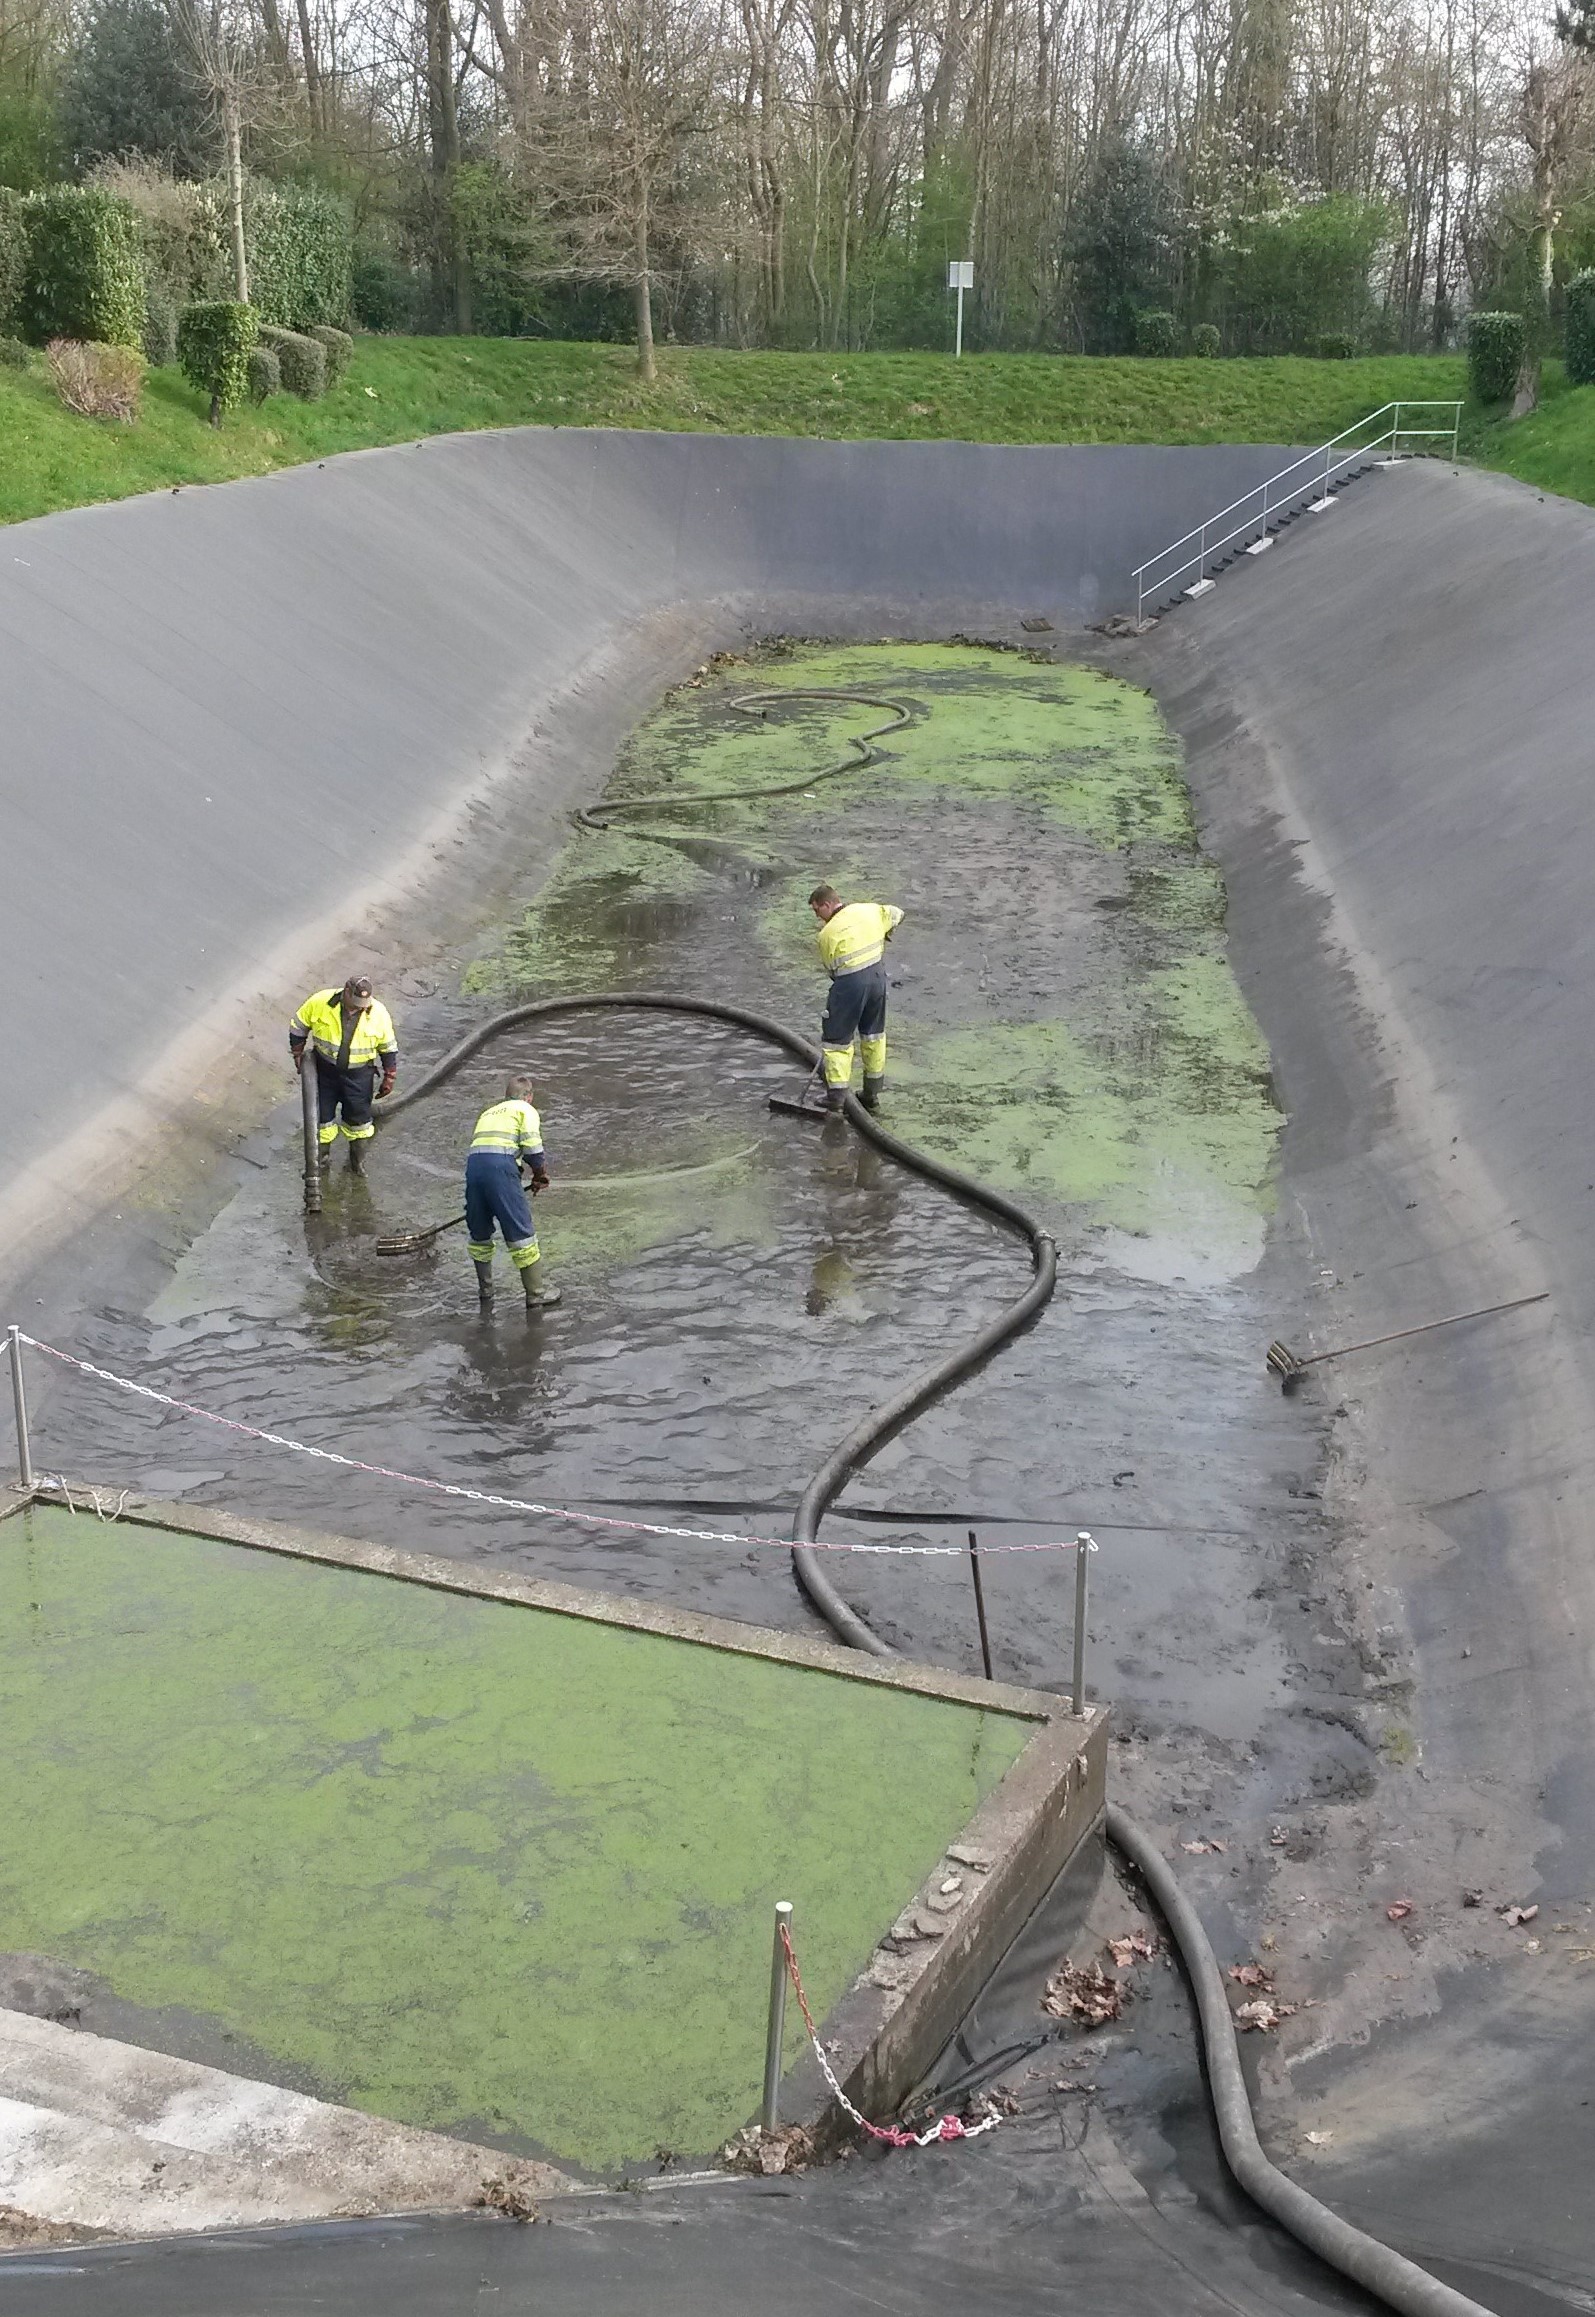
<point x="1207" y="545"/>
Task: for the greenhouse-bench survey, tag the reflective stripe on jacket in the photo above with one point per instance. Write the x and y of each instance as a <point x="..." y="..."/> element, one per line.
<point x="321" y="1019"/>
<point x="856" y="935"/>
<point x="509" y="1126"/>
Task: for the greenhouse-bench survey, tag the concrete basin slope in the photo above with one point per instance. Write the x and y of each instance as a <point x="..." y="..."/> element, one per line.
<point x="235" y="720"/>
<point x="1391" y="725"/>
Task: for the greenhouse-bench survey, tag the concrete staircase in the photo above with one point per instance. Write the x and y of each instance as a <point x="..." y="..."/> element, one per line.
<point x="107" y="2138"/>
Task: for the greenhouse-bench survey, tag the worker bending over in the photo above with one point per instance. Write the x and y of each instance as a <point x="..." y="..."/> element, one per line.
<point x="853" y="938"/>
<point x="352" y="1035"/>
<point x="509" y="1134"/>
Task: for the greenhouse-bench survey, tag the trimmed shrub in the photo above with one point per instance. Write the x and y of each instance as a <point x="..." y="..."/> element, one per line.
<point x="1335" y="346"/>
<point x="265" y="374"/>
<point x="214" y="342"/>
<point x="97" y="381"/>
<point x="301" y="246"/>
<point x="13" y="255"/>
<point x="1498" y="345"/>
<point x="1581" y="329"/>
<point x="1157" y="334"/>
<point x="15" y="354"/>
<point x="303" y="362"/>
<point x="160" y="328"/>
<point x="1206" y="343"/>
<point x="339" y="346"/>
<point x="85" y="274"/>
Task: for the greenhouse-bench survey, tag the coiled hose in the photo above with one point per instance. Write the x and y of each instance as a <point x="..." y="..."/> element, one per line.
<point x="1389" y="2275"/>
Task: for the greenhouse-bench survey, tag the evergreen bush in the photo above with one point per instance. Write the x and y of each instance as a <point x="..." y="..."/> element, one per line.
<point x="214" y="342"/>
<point x="15" y="354"/>
<point x="1156" y="334"/>
<point x="1497" y="348"/>
<point x="1335" y="346"/>
<point x="303" y="361"/>
<point x="301" y="246"/>
<point x="13" y="255"/>
<point x="265" y="374"/>
<point x="160" y="327"/>
<point x="339" y="346"/>
<point x="1205" y="341"/>
<point x="85" y="272"/>
<point x="1581" y="329"/>
<point x="381" y="291"/>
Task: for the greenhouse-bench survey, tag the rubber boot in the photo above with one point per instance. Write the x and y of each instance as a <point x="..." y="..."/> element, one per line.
<point x="836" y="1098"/>
<point x="538" y="1298"/>
<point x="324" y="1158"/>
<point x="357" y="1158"/>
<point x="870" y="1093"/>
<point x="484" y="1284"/>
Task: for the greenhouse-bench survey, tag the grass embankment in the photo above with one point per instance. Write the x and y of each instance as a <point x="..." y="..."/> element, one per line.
<point x="402" y="388"/>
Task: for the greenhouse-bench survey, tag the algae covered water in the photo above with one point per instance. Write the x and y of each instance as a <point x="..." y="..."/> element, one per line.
<point x="465" y="1864"/>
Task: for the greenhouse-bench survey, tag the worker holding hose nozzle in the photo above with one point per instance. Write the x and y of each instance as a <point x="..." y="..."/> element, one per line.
<point x="351" y="1033"/>
<point x="508" y="1137"/>
<point x="853" y="938"/>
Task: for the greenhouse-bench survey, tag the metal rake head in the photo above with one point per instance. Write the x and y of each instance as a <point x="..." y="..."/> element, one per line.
<point x="1283" y="1363"/>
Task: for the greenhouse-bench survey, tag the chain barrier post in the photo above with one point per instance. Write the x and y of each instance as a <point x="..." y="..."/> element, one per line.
<point x="19" y="1402"/>
<point x="1084" y="1547"/>
<point x="775" y="2033"/>
<point x="310" y="1111"/>
<point x="980" y="1604"/>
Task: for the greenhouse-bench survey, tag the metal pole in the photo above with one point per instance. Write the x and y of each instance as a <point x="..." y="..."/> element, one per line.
<point x="980" y="1604"/>
<point x="1456" y="426"/>
<point x="309" y="1108"/>
<point x="958" y="346"/>
<point x="19" y="1401"/>
<point x="1082" y="1564"/>
<point x="776" y="2032"/>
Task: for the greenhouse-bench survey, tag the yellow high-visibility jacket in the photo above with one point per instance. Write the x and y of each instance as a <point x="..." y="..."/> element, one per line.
<point x="856" y="936"/>
<point x="509" y="1126"/>
<point x="320" y="1019"/>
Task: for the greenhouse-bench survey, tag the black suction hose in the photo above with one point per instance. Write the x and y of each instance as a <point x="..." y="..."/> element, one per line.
<point x="878" y="1427"/>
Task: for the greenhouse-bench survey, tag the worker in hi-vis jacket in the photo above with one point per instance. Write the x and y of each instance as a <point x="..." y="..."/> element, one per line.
<point x="508" y="1136"/>
<point x="853" y="938"/>
<point x="351" y="1034"/>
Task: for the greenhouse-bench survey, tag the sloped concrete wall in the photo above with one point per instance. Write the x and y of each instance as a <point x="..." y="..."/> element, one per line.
<point x="234" y="719"/>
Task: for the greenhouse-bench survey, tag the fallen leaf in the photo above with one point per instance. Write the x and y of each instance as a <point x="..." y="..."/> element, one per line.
<point x="1134" y="1947"/>
<point x="1516" y="1915"/>
<point x="1278" y="1837"/>
<point x="1473" y="1898"/>
<point x="1399" y="1912"/>
<point x="1319" y="2139"/>
<point x="1263" y="2014"/>
<point x="1083" y="1991"/>
<point x="1251" y="1975"/>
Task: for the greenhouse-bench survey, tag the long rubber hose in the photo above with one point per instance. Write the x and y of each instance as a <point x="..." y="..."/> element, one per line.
<point x="899" y="712"/>
<point x="878" y="1427"/>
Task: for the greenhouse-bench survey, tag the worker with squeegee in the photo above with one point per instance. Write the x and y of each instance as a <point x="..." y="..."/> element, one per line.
<point x="853" y="938"/>
<point x="351" y="1033"/>
<point x="509" y="1135"/>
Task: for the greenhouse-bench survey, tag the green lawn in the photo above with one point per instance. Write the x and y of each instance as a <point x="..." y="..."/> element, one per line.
<point x="401" y="388"/>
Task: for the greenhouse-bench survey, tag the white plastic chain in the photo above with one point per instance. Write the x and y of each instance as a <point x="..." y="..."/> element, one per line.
<point x="514" y="1503"/>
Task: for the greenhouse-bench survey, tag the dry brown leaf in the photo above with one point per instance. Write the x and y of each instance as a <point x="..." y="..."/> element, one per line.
<point x="1399" y="1912"/>
<point x="1083" y="1991"/>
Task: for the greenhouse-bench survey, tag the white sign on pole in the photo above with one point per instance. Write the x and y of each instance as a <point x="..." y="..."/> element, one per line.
<point x="960" y="277"/>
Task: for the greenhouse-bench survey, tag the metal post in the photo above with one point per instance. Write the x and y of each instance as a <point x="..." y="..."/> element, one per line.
<point x="310" y="1109"/>
<point x="1456" y="426"/>
<point x="958" y="342"/>
<point x="1201" y="560"/>
<point x="776" y="2033"/>
<point x="1083" y="1549"/>
<point x="19" y="1402"/>
<point x="980" y="1604"/>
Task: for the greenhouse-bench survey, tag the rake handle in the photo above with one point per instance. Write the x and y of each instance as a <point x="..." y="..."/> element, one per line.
<point x="1486" y="1311"/>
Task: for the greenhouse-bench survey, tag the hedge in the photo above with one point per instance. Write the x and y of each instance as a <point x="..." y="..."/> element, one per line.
<point x="1205" y="341"/>
<point x="15" y="354"/>
<point x="1581" y="329"/>
<point x="1157" y="334"/>
<point x="214" y="342"/>
<point x="339" y="345"/>
<point x="303" y="361"/>
<point x="301" y="246"/>
<point x="1497" y="347"/>
<point x="85" y="273"/>
<point x="265" y="374"/>
<point x="13" y="255"/>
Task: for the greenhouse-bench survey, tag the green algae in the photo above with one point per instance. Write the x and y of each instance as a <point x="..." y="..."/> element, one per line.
<point x="467" y="1865"/>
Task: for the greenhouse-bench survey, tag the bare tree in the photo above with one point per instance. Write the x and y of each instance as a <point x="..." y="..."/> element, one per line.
<point x="224" y="52"/>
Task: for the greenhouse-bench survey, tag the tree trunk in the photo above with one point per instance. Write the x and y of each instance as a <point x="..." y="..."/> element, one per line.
<point x="235" y="194"/>
<point x="647" y="370"/>
<point x="312" y="65"/>
<point x="450" y="274"/>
